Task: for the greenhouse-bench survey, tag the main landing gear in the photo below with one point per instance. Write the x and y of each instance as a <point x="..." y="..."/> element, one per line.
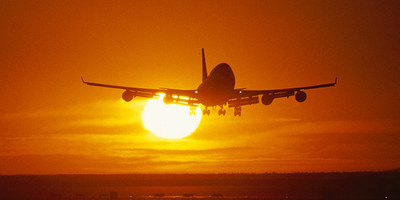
<point x="206" y="111"/>
<point x="221" y="111"/>
<point x="192" y="110"/>
<point x="238" y="111"/>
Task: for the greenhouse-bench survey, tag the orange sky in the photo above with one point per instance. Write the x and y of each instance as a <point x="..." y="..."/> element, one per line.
<point x="51" y="123"/>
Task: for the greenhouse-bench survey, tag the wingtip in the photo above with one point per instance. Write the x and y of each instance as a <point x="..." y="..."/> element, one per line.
<point x="83" y="81"/>
<point x="335" y="80"/>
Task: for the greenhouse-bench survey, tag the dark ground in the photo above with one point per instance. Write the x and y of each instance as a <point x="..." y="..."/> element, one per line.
<point x="354" y="185"/>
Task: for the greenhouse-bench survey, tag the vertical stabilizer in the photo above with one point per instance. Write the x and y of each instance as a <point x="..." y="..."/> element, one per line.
<point x="204" y="65"/>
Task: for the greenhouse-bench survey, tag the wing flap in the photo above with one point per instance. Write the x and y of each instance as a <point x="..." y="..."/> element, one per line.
<point x="242" y="101"/>
<point x="277" y="93"/>
<point x="243" y="97"/>
<point x="133" y="89"/>
<point x="181" y="97"/>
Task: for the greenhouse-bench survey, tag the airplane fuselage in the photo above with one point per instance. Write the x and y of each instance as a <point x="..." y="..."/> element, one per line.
<point x="218" y="87"/>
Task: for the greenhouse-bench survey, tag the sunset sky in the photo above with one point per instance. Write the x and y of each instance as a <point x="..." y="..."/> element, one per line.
<point x="51" y="123"/>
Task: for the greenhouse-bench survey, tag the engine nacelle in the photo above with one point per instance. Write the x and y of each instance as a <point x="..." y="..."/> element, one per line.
<point x="267" y="99"/>
<point x="168" y="99"/>
<point x="301" y="96"/>
<point x="128" y="95"/>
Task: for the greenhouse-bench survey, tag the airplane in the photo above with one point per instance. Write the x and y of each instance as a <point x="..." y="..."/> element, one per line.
<point x="216" y="89"/>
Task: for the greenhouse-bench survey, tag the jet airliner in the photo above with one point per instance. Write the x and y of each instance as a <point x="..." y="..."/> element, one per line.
<point x="216" y="89"/>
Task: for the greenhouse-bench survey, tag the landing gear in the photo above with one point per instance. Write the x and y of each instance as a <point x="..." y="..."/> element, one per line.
<point x="221" y="111"/>
<point x="206" y="111"/>
<point x="192" y="110"/>
<point x="238" y="111"/>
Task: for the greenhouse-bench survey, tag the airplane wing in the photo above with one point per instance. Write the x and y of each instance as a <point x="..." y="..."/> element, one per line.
<point x="183" y="97"/>
<point x="248" y="97"/>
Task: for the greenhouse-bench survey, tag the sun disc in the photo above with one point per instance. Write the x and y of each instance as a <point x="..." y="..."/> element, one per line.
<point x="169" y="121"/>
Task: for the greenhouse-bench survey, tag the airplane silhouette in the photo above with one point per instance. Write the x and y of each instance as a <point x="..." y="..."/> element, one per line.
<point x="216" y="89"/>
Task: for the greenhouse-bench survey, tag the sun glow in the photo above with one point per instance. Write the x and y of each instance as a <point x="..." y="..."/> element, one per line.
<point x="169" y="121"/>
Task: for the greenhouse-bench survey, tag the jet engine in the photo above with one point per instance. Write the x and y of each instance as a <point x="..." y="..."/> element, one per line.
<point x="301" y="96"/>
<point x="128" y="95"/>
<point x="267" y="99"/>
<point x="168" y="99"/>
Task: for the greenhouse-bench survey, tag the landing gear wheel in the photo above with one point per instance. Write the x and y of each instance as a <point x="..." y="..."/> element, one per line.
<point x="221" y="112"/>
<point x="192" y="110"/>
<point x="206" y="112"/>
<point x="238" y="111"/>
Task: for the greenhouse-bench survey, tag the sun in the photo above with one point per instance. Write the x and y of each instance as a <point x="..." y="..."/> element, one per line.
<point x="169" y="121"/>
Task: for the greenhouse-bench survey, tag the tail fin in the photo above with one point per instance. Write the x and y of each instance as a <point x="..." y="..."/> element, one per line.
<point x="204" y="65"/>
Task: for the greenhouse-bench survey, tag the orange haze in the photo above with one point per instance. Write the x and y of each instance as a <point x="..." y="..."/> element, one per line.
<point x="51" y="123"/>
